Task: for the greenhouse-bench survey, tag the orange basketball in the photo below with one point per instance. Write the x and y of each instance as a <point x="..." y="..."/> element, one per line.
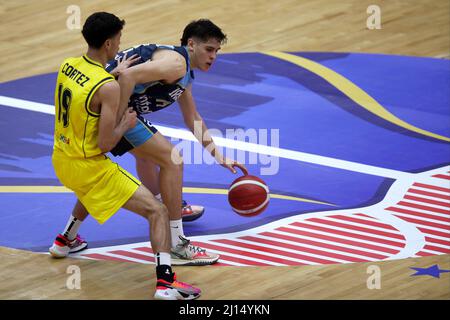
<point x="248" y="195"/>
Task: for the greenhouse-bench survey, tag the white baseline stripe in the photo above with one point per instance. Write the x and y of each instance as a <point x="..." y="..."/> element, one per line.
<point x="240" y="145"/>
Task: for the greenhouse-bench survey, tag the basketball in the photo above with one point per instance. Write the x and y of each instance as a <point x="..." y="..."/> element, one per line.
<point x="248" y="195"/>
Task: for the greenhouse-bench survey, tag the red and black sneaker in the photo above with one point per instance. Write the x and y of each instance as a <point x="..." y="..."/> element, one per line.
<point x="62" y="246"/>
<point x="175" y="290"/>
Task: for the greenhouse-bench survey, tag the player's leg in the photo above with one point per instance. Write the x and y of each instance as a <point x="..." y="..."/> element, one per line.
<point x="161" y="152"/>
<point x="69" y="241"/>
<point x="146" y="205"/>
<point x="103" y="187"/>
<point x="148" y="173"/>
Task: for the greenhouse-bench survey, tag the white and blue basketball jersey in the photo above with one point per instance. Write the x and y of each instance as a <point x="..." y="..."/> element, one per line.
<point x="154" y="96"/>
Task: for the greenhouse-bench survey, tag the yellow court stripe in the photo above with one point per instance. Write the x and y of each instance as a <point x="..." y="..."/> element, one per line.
<point x="33" y="189"/>
<point x="272" y="195"/>
<point x="62" y="189"/>
<point x="352" y="91"/>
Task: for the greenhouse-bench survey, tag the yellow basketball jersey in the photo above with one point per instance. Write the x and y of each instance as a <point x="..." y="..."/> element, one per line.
<point x="76" y="126"/>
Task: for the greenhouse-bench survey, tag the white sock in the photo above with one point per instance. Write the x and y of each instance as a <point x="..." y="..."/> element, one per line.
<point x="158" y="196"/>
<point x="176" y="230"/>
<point x="71" y="229"/>
<point x="163" y="258"/>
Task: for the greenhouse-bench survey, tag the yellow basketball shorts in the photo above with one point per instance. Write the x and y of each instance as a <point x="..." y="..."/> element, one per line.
<point x="101" y="185"/>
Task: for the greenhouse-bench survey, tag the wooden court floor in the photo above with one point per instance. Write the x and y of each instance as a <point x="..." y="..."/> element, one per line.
<point x="34" y="39"/>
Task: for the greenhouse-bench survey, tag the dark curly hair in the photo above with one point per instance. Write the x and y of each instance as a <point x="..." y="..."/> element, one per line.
<point x="99" y="27"/>
<point x="203" y="29"/>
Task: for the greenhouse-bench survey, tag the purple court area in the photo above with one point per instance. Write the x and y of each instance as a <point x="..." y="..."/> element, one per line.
<point x="246" y="91"/>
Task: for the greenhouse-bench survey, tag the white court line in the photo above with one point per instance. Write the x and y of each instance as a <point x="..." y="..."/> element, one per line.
<point x="239" y="145"/>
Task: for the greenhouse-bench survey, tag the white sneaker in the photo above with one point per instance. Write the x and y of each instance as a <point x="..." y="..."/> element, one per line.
<point x="186" y="254"/>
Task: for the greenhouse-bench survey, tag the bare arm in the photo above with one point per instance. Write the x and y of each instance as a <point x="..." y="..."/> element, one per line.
<point x="124" y="63"/>
<point x="110" y="132"/>
<point x="166" y="65"/>
<point x="197" y="126"/>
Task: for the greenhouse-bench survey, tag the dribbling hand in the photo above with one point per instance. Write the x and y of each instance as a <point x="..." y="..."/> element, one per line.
<point x="230" y="164"/>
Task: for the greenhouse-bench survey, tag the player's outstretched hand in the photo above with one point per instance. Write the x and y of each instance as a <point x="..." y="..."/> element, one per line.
<point x="124" y="63"/>
<point x="230" y="164"/>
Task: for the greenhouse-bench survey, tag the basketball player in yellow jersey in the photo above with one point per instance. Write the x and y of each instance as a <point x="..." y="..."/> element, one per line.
<point x="87" y="125"/>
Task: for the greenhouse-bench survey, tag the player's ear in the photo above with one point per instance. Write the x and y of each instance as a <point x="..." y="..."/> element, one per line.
<point x="108" y="43"/>
<point x="190" y="43"/>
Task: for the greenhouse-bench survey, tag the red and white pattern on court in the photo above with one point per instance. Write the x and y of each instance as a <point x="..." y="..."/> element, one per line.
<point x="413" y="220"/>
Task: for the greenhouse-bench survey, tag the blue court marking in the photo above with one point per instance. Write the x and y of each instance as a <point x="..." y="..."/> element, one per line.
<point x="248" y="90"/>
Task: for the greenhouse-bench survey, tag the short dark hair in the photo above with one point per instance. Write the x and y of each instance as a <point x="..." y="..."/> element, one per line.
<point x="203" y="29"/>
<point x="101" y="26"/>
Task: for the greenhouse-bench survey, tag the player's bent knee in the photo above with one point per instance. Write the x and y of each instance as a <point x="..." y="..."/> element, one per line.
<point x="156" y="208"/>
<point x="176" y="160"/>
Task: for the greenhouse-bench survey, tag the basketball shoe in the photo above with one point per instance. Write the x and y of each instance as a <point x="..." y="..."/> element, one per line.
<point x="175" y="290"/>
<point x="191" y="212"/>
<point x="186" y="254"/>
<point x="62" y="246"/>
